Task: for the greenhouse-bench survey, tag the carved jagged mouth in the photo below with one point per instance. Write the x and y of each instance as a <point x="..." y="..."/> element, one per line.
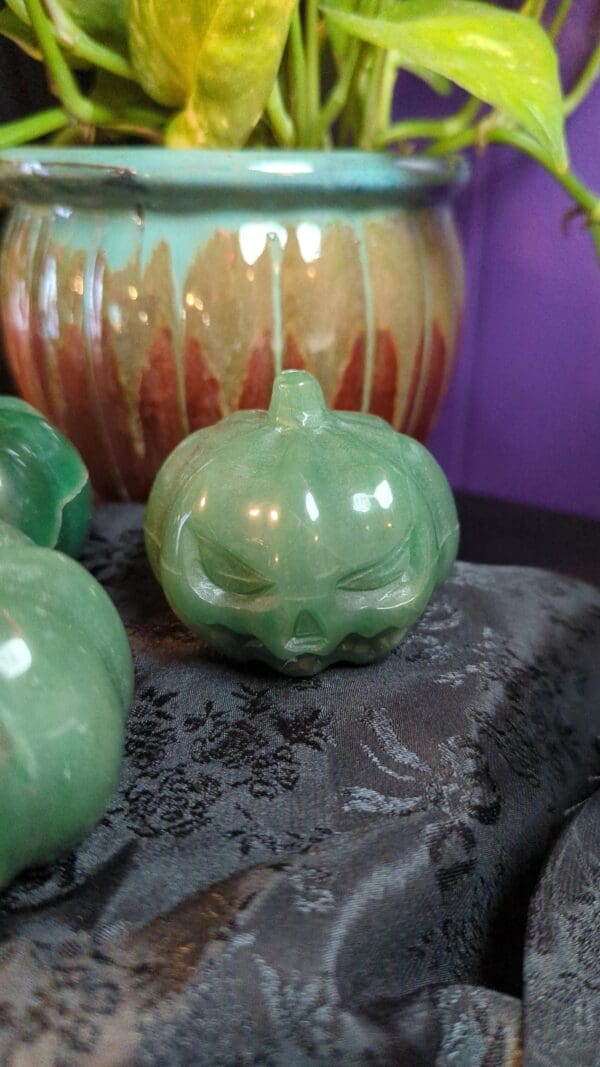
<point x="295" y="648"/>
<point x="305" y="658"/>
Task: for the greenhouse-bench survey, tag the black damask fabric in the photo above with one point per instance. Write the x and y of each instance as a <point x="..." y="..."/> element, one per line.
<point x="378" y="866"/>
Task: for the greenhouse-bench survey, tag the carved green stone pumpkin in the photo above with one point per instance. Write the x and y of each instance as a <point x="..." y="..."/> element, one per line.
<point x="44" y="485"/>
<point x="300" y="536"/>
<point x="66" y="681"/>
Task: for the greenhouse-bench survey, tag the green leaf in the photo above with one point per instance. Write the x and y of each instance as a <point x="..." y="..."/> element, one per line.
<point x="104" y="20"/>
<point x="118" y="93"/>
<point x="20" y="32"/>
<point x="18" y="8"/>
<point x="338" y="39"/>
<point x="437" y="82"/>
<point x="215" y="60"/>
<point x="503" y="58"/>
<point x="93" y="33"/>
<point x="165" y="39"/>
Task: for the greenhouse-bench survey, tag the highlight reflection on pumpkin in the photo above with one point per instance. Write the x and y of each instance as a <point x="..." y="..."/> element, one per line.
<point x="300" y="536"/>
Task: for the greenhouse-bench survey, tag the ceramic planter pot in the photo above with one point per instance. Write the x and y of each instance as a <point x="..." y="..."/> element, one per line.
<point x="147" y="293"/>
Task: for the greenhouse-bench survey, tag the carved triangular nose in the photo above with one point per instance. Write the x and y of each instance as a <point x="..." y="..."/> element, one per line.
<point x="307" y="626"/>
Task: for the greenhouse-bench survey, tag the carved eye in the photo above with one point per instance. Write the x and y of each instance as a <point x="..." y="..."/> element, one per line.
<point x="385" y="572"/>
<point x="229" y="572"/>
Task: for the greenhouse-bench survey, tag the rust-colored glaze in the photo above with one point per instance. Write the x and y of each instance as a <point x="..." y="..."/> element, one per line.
<point x="37" y="353"/>
<point x="349" y="393"/>
<point x="159" y="402"/>
<point x="202" y="389"/>
<point x="24" y="370"/>
<point x="385" y="377"/>
<point x="40" y="349"/>
<point x="79" y="420"/>
<point x="414" y="384"/>
<point x="127" y="359"/>
<point x="434" y="386"/>
<point x="129" y="460"/>
<point x="228" y="309"/>
<point x="260" y="374"/>
<point x="293" y="358"/>
<point x="17" y="296"/>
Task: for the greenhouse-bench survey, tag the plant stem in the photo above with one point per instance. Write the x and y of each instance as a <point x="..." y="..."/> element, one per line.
<point x="59" y="72"/>
<point x="121" y="125"/>
<point x="313" y="73"/>
<point x="138" y="116"/>
<point x="350" y="121"/>
<point x="84" y="47"/>
<point x="33" y="127"/>
<point x="584" y="83"/>
<point x="279" y="117"/>
<point x="386" y="94"/>
<point x="580" y="192"/>
<point x="371" y="113"/>
<point x="143" y="120"/>
<point x="337" y="99"/>
<point x="465" y="138"/>
<point x="559" y="19"/>
<point x="417" y="129"/>
<point x="588" y="201"/>
<point x="298" y="65"/>
<point x="534" y="8"/>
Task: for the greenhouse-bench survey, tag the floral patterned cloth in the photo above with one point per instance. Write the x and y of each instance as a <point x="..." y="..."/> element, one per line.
<point x="336" y="870"/>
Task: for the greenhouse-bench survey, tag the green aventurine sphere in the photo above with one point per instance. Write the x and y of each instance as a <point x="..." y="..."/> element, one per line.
<point x="44" y="484"/>
<point x="300" y="536"/>
<point x="66" y="681"/>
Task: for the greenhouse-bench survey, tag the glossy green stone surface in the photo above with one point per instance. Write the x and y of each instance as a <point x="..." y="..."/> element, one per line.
<point x="44" y="484"/>
<point x="300" y="536"/>
<point x="66" y="681"/>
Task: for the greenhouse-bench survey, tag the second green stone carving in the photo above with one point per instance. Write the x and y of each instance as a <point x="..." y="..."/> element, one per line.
<point x="44" y="484"/>
<point x="66" y="682"/>
<point x="300" y="536"/>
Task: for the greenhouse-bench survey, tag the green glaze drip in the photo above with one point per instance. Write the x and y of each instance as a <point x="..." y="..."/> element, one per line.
<point x="91" y="335"/>
<point x="427" y="318"/>
<point x="300" y="536"/>
<point x="276" y="250"/>
<point x="44" y="485"/>
<point x="151" y="235"/>
<point x="370" y="337"/>
<point x="178" y="282"/>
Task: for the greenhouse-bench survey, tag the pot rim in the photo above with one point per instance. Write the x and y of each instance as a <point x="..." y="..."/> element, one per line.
<point x="158" y="177"/>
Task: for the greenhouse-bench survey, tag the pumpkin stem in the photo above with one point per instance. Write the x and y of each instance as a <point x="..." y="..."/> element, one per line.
<point x="297" y="399"/>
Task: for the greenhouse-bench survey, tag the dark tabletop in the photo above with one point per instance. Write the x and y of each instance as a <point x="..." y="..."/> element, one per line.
<point x="392" y="864"/>
<point x="501" y="532"/>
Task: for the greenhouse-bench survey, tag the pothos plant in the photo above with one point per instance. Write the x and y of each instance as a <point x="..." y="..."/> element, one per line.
<point x="303" y="74"/>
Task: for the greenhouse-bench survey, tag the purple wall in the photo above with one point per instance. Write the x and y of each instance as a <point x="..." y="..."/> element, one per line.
<point x="522" y="419"/>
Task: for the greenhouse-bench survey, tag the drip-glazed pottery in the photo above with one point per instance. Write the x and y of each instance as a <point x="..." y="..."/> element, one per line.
<point x="301" y="536"/>
<point x="147" y="293"/>
<point x="44" y="485"/>
<point x="66" y="681"/>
